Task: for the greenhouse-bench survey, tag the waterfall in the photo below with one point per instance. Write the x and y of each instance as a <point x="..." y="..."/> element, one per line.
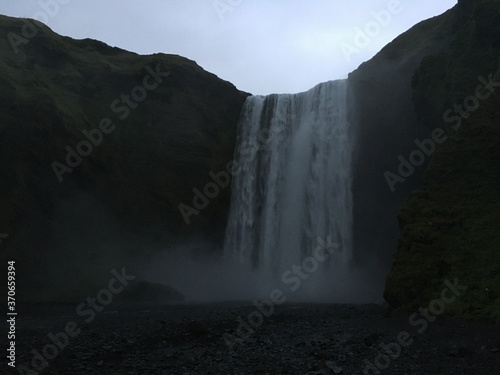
<point x="292" y="191"/>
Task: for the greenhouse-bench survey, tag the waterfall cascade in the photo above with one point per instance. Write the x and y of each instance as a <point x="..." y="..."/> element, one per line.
<point x="294" y="189"/>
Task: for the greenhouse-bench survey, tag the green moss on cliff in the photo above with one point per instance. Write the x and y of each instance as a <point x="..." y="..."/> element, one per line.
<point x="55" y="87"/>
<point x="449" y="228"/>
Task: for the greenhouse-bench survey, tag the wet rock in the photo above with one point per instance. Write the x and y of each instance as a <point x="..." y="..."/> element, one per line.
<point x="196" y="328"/>
<point x="459" y="352"/>
<point x="372" y="339"/>
<point x="321" y="354"/>
<point x="334" y="368"/>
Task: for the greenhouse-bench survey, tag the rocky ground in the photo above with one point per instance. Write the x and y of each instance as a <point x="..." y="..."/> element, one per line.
<point x="203" y="339"/>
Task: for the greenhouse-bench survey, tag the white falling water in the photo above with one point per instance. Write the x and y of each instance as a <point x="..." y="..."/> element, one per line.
<point x="294" y="189"/>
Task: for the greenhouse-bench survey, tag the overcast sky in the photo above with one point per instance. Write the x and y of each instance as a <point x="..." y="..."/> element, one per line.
<point x="261" y="46"/>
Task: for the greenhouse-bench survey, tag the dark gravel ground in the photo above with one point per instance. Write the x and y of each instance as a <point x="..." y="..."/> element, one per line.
<point x="295" y="339"/>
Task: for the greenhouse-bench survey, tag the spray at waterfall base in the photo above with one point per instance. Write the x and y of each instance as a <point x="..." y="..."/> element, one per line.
<point x="292" y="184"/>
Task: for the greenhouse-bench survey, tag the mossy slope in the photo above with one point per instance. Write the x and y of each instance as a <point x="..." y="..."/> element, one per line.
<point x="131" y="185"/>
<point x="449" y="227"/>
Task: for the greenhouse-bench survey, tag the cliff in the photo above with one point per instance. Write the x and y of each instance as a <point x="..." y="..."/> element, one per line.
<point x="428" y="103"/>
<point x="99" y="148"/>
<point x="385" y="127"/>
<point x="449" y="226"/>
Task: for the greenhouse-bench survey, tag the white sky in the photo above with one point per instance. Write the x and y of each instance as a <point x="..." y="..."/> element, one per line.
<point x="261" y="46"/>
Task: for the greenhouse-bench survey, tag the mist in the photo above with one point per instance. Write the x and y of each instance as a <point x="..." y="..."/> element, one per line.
<point x="215" y="279"/>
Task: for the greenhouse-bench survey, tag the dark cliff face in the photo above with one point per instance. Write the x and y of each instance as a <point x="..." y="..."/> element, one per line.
<point x="385" y="127"/>
<point x="449" y="227"/>
<point x="148" y="150"/>
<point x="400" y="99"/>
